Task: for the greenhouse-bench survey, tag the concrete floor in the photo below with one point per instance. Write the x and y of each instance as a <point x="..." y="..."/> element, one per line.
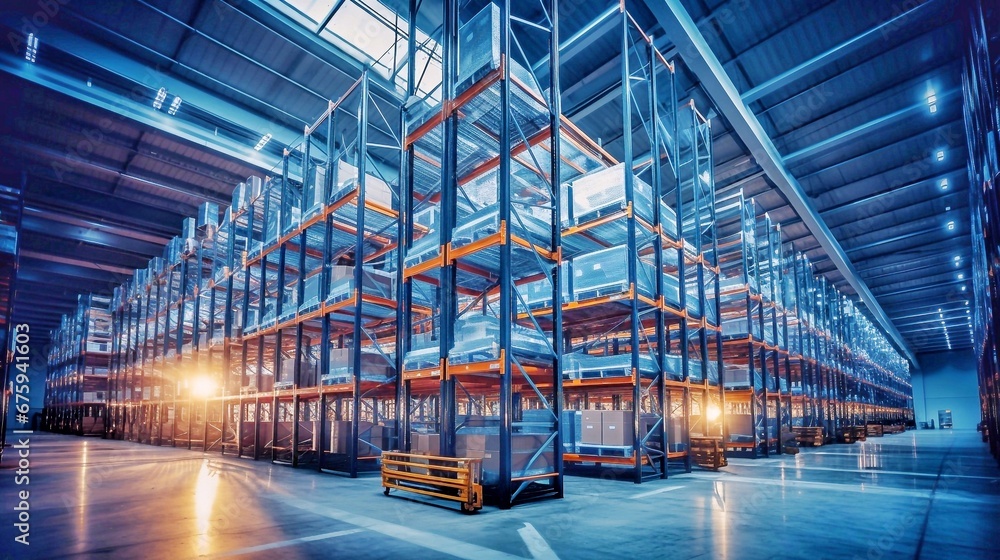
<point x="929" y="494"/>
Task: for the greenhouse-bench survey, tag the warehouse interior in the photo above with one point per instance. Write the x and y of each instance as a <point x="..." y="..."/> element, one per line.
<point x="317" y="277"/>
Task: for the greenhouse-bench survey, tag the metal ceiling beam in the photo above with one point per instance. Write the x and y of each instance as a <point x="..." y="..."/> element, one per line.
<point x="944" y="132"/>
<point x="56" y="247"/>
<point x="866" y="128"/>
<point x="910" y="280"/>
<point x="693" y="48"/>
<point x="42" y="119"/>
<point x="906" y="307"/>
<point x="109" y="169"/>
<point x="42" y="280"/>
<point x="946" y="244"/>
<point x="147" y="219"/>
<point x="70" y="270"/>
<point x="907" y="261"/>
<point x="827" y="57"/>
<point x="896" y="238"/>
<point x="47" y="226"/>
<point x="892" y="192"/>
<point x="101" y="189"/>
<point x="143" y="76"/>
<point x="957" y="311"/>
<point x="850" y="227"/>
<point x="238" y="54"/>
<point x="957" y="319"/>
<point x="912" y="269"/>
<point x="907" y="291"/>
<point x="76" y="262"/>
<point x="108" y="228"/>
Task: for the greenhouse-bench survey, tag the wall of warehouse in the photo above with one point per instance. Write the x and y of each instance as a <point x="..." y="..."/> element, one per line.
<point x="947" y="380"/>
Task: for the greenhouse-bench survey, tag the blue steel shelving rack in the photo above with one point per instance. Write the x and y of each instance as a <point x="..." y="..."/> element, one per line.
<point x="636" y="318"/>
<point x="476" y="139"/>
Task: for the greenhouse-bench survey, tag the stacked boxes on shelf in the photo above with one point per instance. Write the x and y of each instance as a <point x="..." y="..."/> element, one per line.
<point x="315" y="383"/>
<point x="638" y="246"/>
<point x="482" y="189"/>
<point x="771" y="269"/>
<point x="225" y="342"/>
<point x="79" y="359"/>
<point x="543" y="297"/>
<point x="748" y="416"/>
<point x="835" y="382"/>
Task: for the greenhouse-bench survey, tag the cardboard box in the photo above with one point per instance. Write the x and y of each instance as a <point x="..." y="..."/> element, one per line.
<point x="490" y="463"/>
<point x="617" y="427"/>
<point x="527" y="443"/>
<point x="340" y="438"/>
<point x="591" y="431"/>
<point x="384" y="437"/>
<point x="543" y="463"/>
<point x="425" y="444"/>
<point x="478" y="442"/>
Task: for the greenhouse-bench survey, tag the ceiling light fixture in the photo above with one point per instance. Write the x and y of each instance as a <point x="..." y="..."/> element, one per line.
<point x="161" y="96"/>
<point x="951" y="225"/>
<point x="944" y="184"/>
<point x="940" y="155"/>
<point x="263" y="141"/>
<point x="31" y="48"/>
<point x="174" y="105"/>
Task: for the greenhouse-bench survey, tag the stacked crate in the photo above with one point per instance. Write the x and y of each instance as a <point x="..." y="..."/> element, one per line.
<point x="76" y="399"/>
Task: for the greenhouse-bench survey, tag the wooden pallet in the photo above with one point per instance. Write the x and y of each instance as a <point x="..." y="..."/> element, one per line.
<point x="708" y="452"/>
<point x="809" y="435"/>
<point x="845" y="435"/>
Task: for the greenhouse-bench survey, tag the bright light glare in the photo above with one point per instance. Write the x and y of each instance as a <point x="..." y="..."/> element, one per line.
<point x="712" y="412"/>
<point x="202" y="386"/>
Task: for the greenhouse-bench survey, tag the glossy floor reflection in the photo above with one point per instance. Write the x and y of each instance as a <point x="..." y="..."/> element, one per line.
<point x="929" y="494"/>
